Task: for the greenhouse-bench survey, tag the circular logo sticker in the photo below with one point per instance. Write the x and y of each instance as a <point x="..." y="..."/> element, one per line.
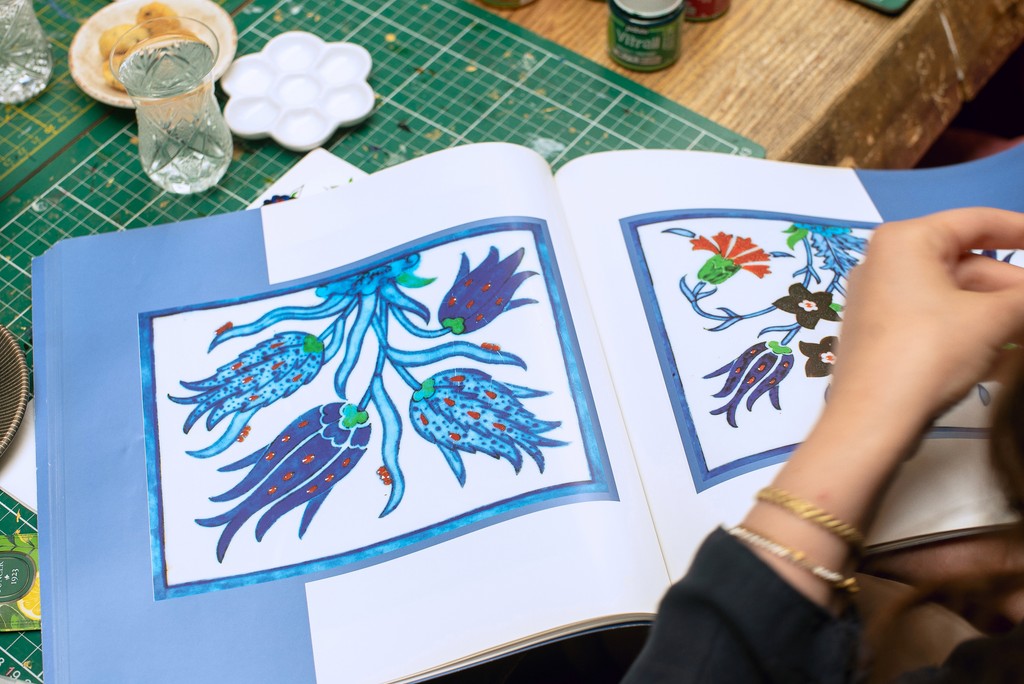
<point x="16" y="574"/>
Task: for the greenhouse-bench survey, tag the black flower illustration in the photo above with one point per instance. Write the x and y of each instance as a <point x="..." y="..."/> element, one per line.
<point x="820" y="357"/>
<point x="809" y="307"/>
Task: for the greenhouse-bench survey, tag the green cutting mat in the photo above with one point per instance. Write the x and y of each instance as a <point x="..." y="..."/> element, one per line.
<point x="29" y="129"/>
<point x="445" y="72"/>
<point x="20" y="654"/>
<point x="32" y="132"/>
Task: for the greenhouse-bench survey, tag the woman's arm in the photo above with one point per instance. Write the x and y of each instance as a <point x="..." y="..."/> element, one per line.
<point x="924" y="321"/>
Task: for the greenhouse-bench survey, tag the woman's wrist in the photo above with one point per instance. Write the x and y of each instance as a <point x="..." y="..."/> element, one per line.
<point x="924" y="321"/>
<point x="841" y="468"/>
<point x="848" y="459"/>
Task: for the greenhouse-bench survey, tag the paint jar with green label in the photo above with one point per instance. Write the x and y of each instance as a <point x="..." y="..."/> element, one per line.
<point x="645" y="35"/>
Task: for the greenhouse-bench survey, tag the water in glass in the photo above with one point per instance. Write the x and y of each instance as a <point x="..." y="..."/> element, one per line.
<point x="184" y="143"/>
<point x="25" y="58"/>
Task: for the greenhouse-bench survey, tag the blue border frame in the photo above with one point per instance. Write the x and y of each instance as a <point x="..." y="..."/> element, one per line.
<point x="601" y="485"/>
<point x="703" y="477"/>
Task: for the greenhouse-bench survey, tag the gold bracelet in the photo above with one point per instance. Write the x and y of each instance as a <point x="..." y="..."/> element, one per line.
<point x="837" y="580"/>
<point x="805" y="510"/>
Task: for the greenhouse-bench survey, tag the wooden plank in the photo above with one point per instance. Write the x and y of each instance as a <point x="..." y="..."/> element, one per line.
<point x="818" y="81"/>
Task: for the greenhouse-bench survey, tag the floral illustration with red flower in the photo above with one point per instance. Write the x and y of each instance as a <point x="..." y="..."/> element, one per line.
<point x="731" y="254"/>
<point x="761" y="367"/>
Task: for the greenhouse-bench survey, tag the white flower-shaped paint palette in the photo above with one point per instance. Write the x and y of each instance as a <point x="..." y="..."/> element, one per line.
<point x="298" y="90"/>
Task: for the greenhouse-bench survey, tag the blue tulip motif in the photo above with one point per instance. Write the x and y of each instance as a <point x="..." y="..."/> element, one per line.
<point x="758" y="370"/>
<point x="463" y="410"/>
<point x="300" y="466"/>
<point x="270" y="371"/>
<point x="400" y="272"/>
<point x="466" y="410"/>
<point x="480" y="295"/>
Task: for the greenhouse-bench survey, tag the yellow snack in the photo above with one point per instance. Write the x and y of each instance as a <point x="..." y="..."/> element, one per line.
<point x="110" y="79"/>
<point x="109" y="38"/>
<point x="130" y="39"/>
<point x="164" y="18"/>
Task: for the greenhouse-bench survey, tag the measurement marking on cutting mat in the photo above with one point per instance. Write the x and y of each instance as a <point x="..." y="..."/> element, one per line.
<point x="87" y="206"/>
<point x="24" y="670"/>
<point x="15" y="514"/>
<point x="591" y="126"/>
<point x="483" y="117"/>
<point x="25" y="273"/>
<point x="88" y="158"/>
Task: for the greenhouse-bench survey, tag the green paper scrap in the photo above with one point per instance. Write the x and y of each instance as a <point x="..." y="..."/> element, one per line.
<point x="19" y="582"/>
<point x="21" y="655"/>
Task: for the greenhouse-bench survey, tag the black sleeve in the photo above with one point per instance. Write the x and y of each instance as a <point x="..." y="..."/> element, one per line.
<point x="732" y="619"/>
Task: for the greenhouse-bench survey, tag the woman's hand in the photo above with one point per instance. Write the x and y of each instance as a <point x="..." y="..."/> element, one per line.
<point x="925" y="318"/>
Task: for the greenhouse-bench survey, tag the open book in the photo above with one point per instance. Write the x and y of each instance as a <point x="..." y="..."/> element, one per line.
<point x="457" y="408"/>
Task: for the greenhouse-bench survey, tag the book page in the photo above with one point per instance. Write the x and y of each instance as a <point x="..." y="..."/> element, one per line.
<point x="416" y="410"/>
<point x="726" y="278"/>
<point x="717" y="283"/>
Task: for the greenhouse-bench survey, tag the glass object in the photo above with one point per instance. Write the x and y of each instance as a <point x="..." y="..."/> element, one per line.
<point x="645" y="35"/>
<point x="166" y="67"/>
<point x="705" y="10"/>
<point x="25" y="58"/>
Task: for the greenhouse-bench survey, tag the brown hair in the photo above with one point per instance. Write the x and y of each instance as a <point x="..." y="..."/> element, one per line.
<point x="1007" y="441"/>
<point x="975" y="596"/>
<point x="978" y="597"/>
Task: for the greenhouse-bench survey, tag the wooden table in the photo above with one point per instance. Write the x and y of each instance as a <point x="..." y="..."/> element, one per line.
<point x="818" y="81"/>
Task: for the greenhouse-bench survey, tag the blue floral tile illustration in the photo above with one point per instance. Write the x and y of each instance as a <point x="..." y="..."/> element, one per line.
<point x="748" y="336"/>
<point x="426" y="393"/>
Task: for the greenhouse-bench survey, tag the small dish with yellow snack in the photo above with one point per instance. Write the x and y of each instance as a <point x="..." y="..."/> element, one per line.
<point x="89" y="54"/>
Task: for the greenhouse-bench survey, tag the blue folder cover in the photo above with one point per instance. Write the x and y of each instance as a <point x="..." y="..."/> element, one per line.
<point x="95" y="561"/>
<point x="107" y="466"/>
<point x="996" y="181"/>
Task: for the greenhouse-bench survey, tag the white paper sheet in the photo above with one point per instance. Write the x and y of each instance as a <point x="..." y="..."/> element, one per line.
<point x="18" y="465"/>
<point x="599" y="190"/>
<point x="569" y="562"/>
